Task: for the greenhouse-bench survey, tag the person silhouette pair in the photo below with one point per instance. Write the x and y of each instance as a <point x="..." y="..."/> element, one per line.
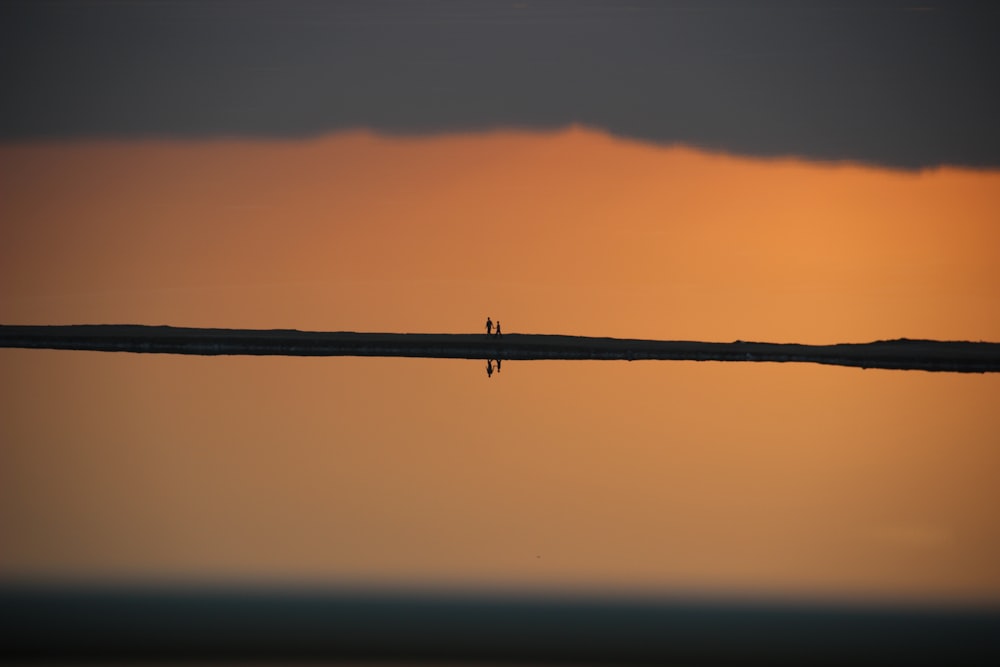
<point x="489" y="328"/>
<point x="489" y="367"/>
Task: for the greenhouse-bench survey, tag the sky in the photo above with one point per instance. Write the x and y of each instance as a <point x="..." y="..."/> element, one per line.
<point x="813" y="173"/>
<point x="573" y="231"/>
<point x="893" y="83"/>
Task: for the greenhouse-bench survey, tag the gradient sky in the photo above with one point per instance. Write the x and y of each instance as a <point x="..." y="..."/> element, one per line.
<point x="567" y="232"/>
<point x="670" y="171"/>
<point x="887" y="83"/>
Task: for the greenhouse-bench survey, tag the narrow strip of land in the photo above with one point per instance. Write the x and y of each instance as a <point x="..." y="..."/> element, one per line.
<point x="904" y="354"/>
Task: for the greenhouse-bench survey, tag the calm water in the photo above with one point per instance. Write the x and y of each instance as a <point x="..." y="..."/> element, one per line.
<point x="663" y="477"/>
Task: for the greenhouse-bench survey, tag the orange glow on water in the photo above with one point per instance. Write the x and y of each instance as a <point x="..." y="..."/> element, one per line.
<point x="572" y="232"/>
<point x="651" y="477"/>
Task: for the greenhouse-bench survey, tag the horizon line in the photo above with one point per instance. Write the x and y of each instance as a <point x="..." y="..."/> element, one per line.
<point x="896" y="354"/>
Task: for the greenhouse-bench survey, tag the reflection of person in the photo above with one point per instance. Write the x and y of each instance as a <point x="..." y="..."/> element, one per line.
<point x="489" y="326"/>
<point x="489" y="368"/>
<point x="498" y="365"/>
<point x="499" y="335"/>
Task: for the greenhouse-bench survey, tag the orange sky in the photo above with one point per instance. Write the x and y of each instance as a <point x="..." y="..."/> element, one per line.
<point x="569" y="232"/>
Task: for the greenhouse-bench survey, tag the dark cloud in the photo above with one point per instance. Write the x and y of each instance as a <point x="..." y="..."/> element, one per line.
<point x="886" y="84"/>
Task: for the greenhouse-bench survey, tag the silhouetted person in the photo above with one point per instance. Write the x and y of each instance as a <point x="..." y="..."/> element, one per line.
<point x="498" y="365"/>
<point x="489" y="368"/>
<point x="499" y="335"/>
<point x="489" y="326"/>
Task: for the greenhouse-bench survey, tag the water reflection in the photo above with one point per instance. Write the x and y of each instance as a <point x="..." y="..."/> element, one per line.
<point x="709" y="478"/>
<point x="489" y="366"/>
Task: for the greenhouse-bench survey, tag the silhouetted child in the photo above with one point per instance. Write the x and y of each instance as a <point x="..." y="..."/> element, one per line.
<point x="499" y="335"/>
<point x="498" y="365"/>
<point x="489" y="326"/>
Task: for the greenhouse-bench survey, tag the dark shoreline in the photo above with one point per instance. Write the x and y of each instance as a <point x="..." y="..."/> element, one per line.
<point x="901" y="354"/>
<point x="177" y="623"/>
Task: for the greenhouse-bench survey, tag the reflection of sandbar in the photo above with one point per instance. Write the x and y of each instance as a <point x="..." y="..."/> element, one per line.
<point x="898" y="354"/>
